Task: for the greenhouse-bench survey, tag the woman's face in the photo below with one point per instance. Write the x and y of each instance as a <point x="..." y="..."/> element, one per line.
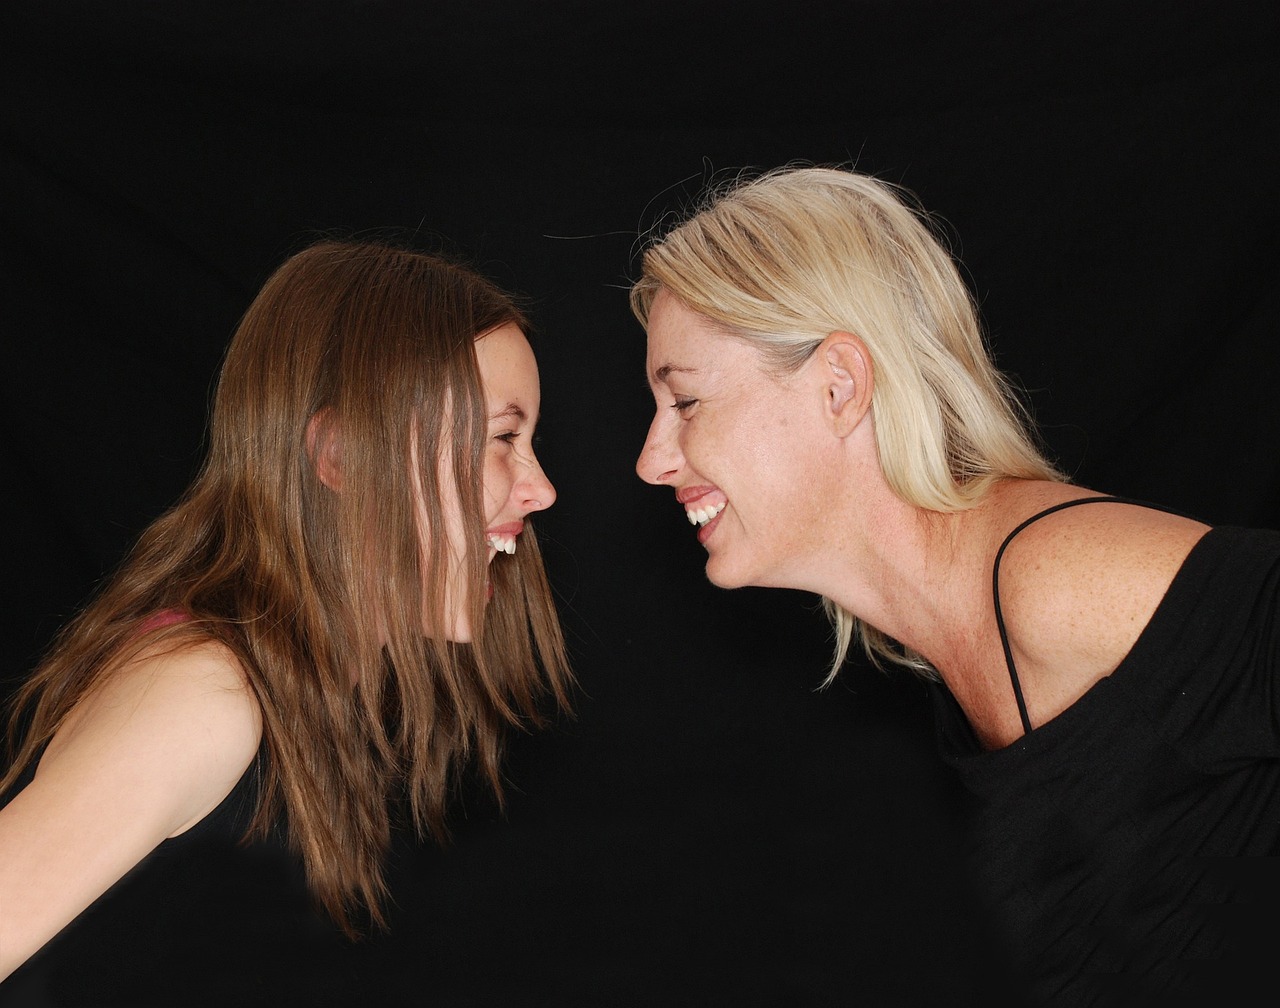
<point x="514" y="483"/>
<point x="737" y="444"/>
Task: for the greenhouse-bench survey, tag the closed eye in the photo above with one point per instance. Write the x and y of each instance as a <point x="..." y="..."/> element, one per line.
<point x="682" y="404"/>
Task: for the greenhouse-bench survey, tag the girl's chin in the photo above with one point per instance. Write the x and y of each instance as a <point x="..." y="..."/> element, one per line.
<point x="458" y="633"/>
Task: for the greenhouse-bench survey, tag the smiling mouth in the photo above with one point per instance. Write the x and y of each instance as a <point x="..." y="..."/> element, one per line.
<point x="502" y="543"/>
<point x="700" y="516"/>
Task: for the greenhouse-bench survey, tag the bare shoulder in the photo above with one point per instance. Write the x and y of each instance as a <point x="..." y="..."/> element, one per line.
<point x="144" y="757"/>
<point x="182" y="720"/>
<point x="1078" y="586"/>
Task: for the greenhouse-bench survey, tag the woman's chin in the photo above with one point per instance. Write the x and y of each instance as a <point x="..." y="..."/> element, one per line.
<point x="723" y="573"/>
<point x="720" y="575"/>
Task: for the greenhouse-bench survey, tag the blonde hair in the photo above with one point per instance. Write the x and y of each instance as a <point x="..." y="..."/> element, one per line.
<point x="785" y="259"/>
<point x="313" y="590"/>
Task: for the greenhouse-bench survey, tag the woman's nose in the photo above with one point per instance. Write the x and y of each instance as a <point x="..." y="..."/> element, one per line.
<point x="657" y="463"/>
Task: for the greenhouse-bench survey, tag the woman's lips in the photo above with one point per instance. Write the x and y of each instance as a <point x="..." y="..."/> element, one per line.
<point x="704" y="531"/>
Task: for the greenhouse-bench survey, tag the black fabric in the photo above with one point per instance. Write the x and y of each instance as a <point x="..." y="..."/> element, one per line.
<point x="146" y="940"/>
<point x="995" y="582"/>
<point x="711" y="829"/>
<point x="1121" y="843"/>
<point x="229" y="820"/>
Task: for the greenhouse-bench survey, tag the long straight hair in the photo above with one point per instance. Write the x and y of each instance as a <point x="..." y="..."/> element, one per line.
<point x="322" y="595"/>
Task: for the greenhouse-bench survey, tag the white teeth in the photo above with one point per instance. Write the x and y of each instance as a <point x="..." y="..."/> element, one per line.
<point x="503" y="544"/>
<point x="700" y="516"/>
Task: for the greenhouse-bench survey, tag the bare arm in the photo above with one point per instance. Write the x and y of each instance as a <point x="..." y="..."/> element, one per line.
<point x="145" y="758"/>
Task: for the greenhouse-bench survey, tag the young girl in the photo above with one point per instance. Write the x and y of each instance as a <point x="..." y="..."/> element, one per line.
<point x="346" y="607"/>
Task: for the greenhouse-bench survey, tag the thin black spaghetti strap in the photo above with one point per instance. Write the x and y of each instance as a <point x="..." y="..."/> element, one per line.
<point x="995" y="582"/>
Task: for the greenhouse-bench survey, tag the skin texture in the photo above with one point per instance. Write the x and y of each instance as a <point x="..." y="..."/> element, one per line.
<point x="514" y="484"/>
<point x="144" y="758"/>
<point x="791" y="457"/>
<point x="795" y="462"/>
<point x="725" y="431"/>
<point x="167" y="737"/>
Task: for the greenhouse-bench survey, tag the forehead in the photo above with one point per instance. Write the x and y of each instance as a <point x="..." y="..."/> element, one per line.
<point x="508" y="369"/>
<point x="682" y="342"/>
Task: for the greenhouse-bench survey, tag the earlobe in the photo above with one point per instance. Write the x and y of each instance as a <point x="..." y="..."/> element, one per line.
<point x="324" y="447"/>
<point x="846" y="375"/>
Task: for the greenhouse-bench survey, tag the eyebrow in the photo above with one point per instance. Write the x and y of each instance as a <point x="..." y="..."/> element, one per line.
<point x="509" y="412"/>
<point x="661" y="374"/>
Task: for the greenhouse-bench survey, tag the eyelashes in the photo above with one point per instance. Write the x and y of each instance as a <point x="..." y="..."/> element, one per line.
<point x="511" y="437"/>
<point x="522" y="446"/>
<point x="681" y="404"/>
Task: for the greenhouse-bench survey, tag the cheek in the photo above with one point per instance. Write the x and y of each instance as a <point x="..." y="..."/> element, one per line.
<point x="498" y="482"/>
<point x="725" y="444"/>
<point x="756" y="450"/>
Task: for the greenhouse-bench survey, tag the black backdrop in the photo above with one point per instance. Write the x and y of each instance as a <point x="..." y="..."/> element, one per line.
<point x="709" y="829"/>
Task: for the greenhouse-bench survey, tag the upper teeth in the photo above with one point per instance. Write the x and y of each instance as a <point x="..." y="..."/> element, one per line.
<point x="501" y="543"/>
<point x="700" y="516"/>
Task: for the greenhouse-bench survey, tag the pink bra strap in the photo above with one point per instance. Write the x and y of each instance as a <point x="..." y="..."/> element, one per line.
<point x="162" y="619"/>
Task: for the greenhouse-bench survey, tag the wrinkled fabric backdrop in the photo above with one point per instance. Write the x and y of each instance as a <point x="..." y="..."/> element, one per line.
<point x="710" y="829"/>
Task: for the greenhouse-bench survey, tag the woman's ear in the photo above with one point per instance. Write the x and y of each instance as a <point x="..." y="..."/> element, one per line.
<point x="846" y="374"/>
<point x="324" y="448"/>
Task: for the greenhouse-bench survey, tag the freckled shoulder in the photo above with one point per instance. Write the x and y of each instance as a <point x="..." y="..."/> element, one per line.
<point x="1077" y="588"/>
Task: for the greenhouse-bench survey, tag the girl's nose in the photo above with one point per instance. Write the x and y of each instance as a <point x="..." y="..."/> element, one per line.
<point x="535" y="491"/>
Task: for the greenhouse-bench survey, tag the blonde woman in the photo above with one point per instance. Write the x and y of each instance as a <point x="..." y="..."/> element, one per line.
<point x="348" y="605"/>
<point x="1105" y="671"/>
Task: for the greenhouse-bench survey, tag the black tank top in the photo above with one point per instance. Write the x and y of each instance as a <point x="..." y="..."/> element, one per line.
<point x="1126" y="846"/>
<point x="995" y="582"/>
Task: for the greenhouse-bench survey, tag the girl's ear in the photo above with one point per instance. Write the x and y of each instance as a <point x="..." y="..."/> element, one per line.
<point x="846" y="375"/>
<point x="324" y="448"/>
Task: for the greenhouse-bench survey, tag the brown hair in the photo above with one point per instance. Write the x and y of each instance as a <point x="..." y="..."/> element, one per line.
<point x="315" y="590"/>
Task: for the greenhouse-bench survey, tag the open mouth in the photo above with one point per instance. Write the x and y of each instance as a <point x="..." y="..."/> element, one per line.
<point x="702" y="515"/>
<point x="501" y="543"/>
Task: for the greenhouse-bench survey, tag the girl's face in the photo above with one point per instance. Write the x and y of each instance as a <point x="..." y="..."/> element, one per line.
<point x="514" y="483"/>
<point x="736" y="443"/>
